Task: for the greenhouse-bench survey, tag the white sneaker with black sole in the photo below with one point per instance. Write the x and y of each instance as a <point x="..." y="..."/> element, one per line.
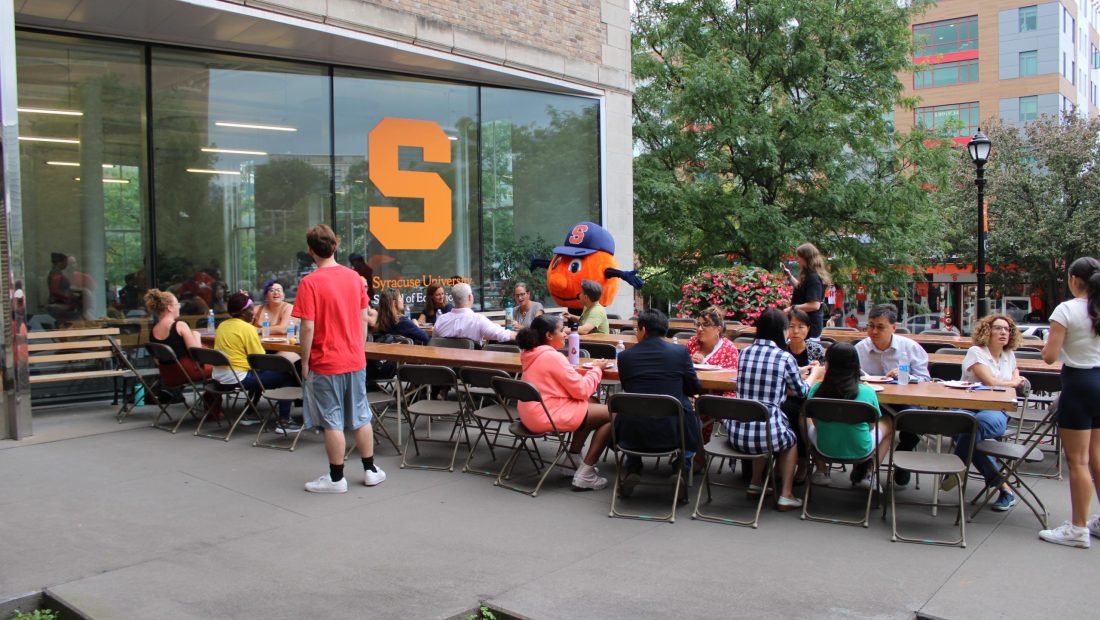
<point x="324" y="484"/>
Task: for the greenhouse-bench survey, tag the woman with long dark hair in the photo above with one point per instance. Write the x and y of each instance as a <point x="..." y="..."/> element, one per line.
<point x="1075" y="340"/>
<point x="566" y="393"/>
<point x="392" y="320"/>
<point x="765" y="371"/>
<point x="435" y="305"/>
<point x="809" y="288"/>
<point x="851" y="441"/>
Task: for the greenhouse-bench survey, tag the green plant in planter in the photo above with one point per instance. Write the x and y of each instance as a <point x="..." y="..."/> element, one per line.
<point x="742" y="292"/>
<point x="483" y="613"/>
<point x="38" y="614"/>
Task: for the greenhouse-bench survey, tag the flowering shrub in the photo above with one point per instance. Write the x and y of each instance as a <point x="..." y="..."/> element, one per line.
<point x="743" y="292"/>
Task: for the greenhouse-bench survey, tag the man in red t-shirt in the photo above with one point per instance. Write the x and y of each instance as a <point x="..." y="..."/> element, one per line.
<point x="335" y="313"/>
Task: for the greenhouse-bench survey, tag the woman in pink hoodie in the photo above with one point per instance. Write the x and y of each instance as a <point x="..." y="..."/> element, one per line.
<point x="566" y="394"/>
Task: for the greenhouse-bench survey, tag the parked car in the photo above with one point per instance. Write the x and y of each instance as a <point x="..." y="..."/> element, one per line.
<point x="921" y="322"/>
<point x="1037" y="330"/>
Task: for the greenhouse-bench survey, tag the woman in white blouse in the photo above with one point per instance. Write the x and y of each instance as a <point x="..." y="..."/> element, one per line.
<point x="991" y="362"/>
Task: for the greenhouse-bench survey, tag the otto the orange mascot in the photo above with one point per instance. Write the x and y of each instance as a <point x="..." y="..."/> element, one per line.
<point x="588" y="254"/>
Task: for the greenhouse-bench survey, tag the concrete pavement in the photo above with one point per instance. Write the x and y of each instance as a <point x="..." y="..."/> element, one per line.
<point x="125" y="521"/>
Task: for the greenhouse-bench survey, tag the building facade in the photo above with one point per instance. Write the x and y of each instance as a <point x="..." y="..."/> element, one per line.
<point x="188" y="145"/>
<point x="1013" y="60"/>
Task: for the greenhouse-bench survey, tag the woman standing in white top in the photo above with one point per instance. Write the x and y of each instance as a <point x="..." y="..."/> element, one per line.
<point x="990" y="361"/>
<point x="1075" y="340"/>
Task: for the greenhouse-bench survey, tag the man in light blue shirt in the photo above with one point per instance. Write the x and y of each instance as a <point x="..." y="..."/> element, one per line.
<point x="880" y="353"/>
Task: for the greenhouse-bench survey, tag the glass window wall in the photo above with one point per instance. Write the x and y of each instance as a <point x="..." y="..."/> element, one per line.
<point x="82" y="145"/>
<point x="242" y="168"/>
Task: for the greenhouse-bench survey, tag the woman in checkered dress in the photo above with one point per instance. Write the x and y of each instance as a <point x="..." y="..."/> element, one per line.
<point x="765" y="371"/>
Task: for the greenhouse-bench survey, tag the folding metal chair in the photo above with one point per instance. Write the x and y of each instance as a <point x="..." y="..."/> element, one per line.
<point x="951" y="351"/>
<point x="516" y="391"/>
<point x="1011" y="456"/>
<point x="164" y="356"/>
<point x="945" y="371"/>
<point x="624" y="406"/>
<point x="475" y="381"/>
<point x="501" y="347"/>
<point x="422" y="381"/>
<point x="132" y="374"/>
<point x="1044" y="390"/>
<point x="940" y="424"/>
<point x="840" y="411"/>
<point x="452" y="343"/>
<point x="274" y="396"/>
<point x="214" y="357"/>
<point x="720" y="408"/>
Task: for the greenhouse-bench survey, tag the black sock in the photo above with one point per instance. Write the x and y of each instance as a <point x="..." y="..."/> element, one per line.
<point x="368" y="463"/>
<point x="336" y="472"/>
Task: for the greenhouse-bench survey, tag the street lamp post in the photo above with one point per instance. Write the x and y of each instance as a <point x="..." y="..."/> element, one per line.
<point x="979" y="152"/>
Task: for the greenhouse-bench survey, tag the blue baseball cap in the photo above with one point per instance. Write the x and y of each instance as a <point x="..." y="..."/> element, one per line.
<point x="587" y="238"/>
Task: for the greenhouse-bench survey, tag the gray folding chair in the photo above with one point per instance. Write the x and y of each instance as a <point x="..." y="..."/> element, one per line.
<point x="422" y="381"/>
<point x="720" y="408"/>
<point x="938" y="424"/>
<point x="1028" y="354"/>
<point x="624" y="406"/>
<point x="840" y="411"/>
<point x="516" y="391"/>
<point x="1044" y="390"/>
<point x="165" y="357"/>
<point x="485" y="411"/>
<point x="501" y="347"/>
<point x="1011" y="456"/>
<point x="744" y="340"/>
<point x="215" y="358"/>
<point x="452" y="343"/>
<point x="600" y="351"/>
<point x="274" y="396"/>
<point x="951" y="351"/>
<point x="147" y="378"/>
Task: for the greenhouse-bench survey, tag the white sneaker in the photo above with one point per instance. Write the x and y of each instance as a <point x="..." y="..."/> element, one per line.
<point x="788" y="503"/>
<point x="1068" y="534"/>
<point x="1094" y="526"/>
<point x="373" y="478"/>
<point x="588" y="478"/>
<point x="821" y="479"/>
<point x="324" y="484"/>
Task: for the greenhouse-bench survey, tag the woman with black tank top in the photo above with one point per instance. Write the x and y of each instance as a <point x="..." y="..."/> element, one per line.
<point x="178" y="336"/>
<point x="809" y="287"/>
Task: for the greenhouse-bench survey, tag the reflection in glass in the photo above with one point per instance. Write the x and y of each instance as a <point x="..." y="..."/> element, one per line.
<point x="81" y="111"/>
<point x="540" y="175"/>
<point x="242" y="167"/>
<point x="397" y="117"/>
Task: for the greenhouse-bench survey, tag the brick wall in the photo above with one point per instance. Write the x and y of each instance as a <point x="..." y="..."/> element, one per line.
<point x="568" y="27"/>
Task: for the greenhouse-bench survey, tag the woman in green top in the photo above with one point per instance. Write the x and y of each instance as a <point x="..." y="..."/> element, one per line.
<point x="847" y="440"/>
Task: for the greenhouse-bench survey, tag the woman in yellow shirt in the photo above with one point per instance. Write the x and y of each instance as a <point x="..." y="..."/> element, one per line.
<point x="237" y="338"/>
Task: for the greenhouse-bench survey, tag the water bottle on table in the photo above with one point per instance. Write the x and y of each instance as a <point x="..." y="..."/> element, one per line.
<point x="619" y="348"/>
<point x="509" y="314"/>
<point x="291" y="332"/>
<point x="265" y="326"/>
<point x="903" y="370"/>
<point x="210" y="321"/>
<point x="574" y="348"/>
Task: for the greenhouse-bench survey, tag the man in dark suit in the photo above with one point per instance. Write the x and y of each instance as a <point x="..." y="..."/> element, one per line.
<point x="655" y="366"/>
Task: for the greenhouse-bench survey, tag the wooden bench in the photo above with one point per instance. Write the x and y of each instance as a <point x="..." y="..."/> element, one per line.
<point x="75" y="350"/>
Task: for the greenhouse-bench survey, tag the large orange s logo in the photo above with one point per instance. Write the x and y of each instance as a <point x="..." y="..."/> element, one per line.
<point x="385" y="224"/>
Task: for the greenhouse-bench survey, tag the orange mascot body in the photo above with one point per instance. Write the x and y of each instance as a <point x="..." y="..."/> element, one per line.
<point x="587" y="254"/>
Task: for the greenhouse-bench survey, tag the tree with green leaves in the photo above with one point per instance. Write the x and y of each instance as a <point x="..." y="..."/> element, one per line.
<point x="1043" y="199"/>
<point x="762" y="124"/>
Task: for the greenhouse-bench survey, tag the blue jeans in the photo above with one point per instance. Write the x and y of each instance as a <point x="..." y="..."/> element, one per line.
<point x="270" y="380"/>
<point x="991" y="425"/>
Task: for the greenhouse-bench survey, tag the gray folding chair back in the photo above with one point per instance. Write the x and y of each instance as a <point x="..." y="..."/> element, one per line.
<point x="945" y="371"/>
<point x="599" y="351"/>
<point x="628" y="332"/>
<point x="938" y="424"/>
<point x="951" y="351"/>
<point x="826" y="341"/>
<point x="844" y="328"/>
<point x="842" y="411"/>
<point x="1027" y="349"/>
<point x="147" y="378"/>
<point x="1045" y="387"/>
<point x="624" y="406"/>
<point x="681" y="332"/>
<point x="938" y="332"/>
<point x="165" y="357"/>
<point x="215" y="357"/>
<point x="1028" y="354"/>
<point x="720" y="409"/>
<point x="510" y="391"/>
<point x="744" y="340"/>
<point x="452" y="343"/>
<point x="901" y="330"/>
<point x="501" y="347"/>
<point x="420" y="382"/>
<point x="489" y="415"/>
<point x="276" y="363"/>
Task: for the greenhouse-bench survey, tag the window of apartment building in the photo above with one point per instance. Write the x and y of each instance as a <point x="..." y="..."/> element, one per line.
<point x="1029" y="63"/>
<point x="946" y="37"/>
<point x="1029" y="18"/>
<point x="1095" y="56"/>
<point x="1073" y="71"/>
<point x="1029" y="108"/>
<point x="946" y="74"/>
<point x="958" y="119"/>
